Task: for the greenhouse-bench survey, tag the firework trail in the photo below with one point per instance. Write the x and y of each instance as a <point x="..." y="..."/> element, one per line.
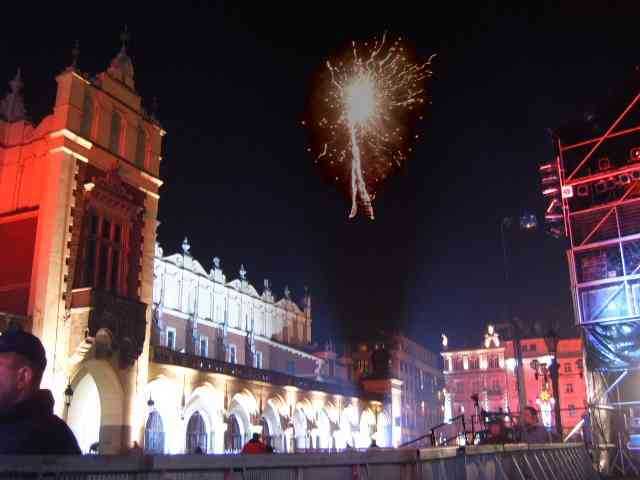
<point x="365" y="111"/>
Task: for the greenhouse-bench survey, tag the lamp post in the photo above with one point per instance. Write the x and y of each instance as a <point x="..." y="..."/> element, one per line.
<point x="552" y="339"/>
<point x="527" y="222"/>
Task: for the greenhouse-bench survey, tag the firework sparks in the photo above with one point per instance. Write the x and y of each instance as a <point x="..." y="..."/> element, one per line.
<point x="364" y="114"/>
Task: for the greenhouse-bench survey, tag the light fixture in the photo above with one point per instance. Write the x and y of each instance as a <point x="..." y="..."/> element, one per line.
<point x="150" y="402"/>
<point x="68" y="395"/>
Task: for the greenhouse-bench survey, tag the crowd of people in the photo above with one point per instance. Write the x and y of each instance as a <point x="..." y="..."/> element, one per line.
<point x="28" y="425"/>
<point x="528" y="430"/>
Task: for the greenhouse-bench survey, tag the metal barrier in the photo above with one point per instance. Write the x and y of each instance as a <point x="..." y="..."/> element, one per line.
<point x="537" y="462"/>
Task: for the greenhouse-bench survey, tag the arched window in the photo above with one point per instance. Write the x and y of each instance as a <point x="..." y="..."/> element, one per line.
<point x="87" y="116"/>
<point x="196" y="434"/>
<point x="154" y="434"/>
<point x="141" y="147"/>
<point x="233" y="437"/>
<point x="116" y="132"/>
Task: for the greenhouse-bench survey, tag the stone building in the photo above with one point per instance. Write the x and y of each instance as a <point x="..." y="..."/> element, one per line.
<point x="489" y="372"/>
<point x="143" y="347"/>
<point x="418" y="373"/>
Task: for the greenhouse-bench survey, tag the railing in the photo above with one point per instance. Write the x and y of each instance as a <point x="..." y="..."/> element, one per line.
<point x="172" y="357"/>
<point x="537" y="462"/>
<point x="10" y="319"/>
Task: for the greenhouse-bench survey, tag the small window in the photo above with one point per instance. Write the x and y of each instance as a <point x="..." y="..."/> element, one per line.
<point x="494" y="362"/>
<point x="474" y="363"/>
<point x="568" y="388"/>
<point x="171" y="338"/>
<point x="532" y="347"/>
<point x="459" y="387"/>
<point x="204" y="347"/>
<point x="258" y="359"/>
<point x="87" y="116"/>
<point x="291" y="367"/>
<point x="141" y="147"/>
<point x="116" y="133"/>
<point x="572" y="410"/>
<point x="232" y="353"/>
<point x="567" y="368"/>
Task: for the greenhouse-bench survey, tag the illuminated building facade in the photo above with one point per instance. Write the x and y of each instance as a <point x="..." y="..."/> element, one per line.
<point x="489" y="372"/>
<point x="141" y="346"/>
<point x="420" y="379"/>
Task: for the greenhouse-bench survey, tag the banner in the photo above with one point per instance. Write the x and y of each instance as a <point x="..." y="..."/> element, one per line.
<point x="614" y="346"/>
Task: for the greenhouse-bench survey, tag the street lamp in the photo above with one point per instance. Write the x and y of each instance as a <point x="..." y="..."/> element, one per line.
<point x="68" y="395"/>
<point x="551" y="339"/>
<point x="526" y="222"/>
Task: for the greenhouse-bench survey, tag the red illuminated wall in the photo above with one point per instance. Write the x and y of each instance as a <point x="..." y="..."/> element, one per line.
<point x="17" y="241"/>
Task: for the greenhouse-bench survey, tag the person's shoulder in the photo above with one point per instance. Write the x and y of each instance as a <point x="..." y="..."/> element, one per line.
<point x="58" y="436"/>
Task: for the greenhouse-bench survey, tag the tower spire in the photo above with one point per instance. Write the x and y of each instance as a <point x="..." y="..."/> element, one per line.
<point x="75" y="53"/>
<point x="12" y="106"/>
<point x="121" y="67"/>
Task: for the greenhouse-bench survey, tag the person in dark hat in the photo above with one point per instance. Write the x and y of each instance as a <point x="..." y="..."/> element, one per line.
<point x="27" y="423"/>
<point x="496" y="432"/>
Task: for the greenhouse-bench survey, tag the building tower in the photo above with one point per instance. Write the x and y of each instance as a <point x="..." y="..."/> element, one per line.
<point x="78" y="203"/>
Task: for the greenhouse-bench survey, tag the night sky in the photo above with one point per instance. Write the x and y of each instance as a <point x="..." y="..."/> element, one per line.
<point x="232" y="82"/>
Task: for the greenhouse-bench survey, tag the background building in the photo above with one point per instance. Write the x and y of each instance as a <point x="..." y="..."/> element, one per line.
<point x="417" y="368"/>
<point x="489" y="372"/>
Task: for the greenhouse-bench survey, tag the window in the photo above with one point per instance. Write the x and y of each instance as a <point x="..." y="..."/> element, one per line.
<point x="104" y="263"/>
<point x="87" y="116"/>
<point x="532" y="347"/>
<point x="116" y="133"/>
<point x="495" y="385"/>
<point x="476" y="387"/>
<point x="291" y="367"/>
<point x="494" y="362"/>
<point x="232" y="353"/>
<point x="141" y="147"/>
<point x="457" y="363"/>
<point x="474" y="362"/>
<point x="459" y="387"/>
<point x="203" y="346"/>
<point x="572" y="410"/>
<point x="568" y="388"/>
<point x="258" y="359"/>
<point x="567" y="368"/>
<point x="171" y="338"/>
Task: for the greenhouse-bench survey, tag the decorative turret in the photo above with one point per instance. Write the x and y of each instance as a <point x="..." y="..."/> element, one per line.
<point x="12" y="106"/>
<point x="121" y="67"/>
<point x="186" y="246"/>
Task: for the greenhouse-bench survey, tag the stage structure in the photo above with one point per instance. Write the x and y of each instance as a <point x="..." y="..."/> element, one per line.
<point x="593" y="192"/>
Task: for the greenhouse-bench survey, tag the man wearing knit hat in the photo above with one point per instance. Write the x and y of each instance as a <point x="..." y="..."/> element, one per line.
<point x="27" y="423"/>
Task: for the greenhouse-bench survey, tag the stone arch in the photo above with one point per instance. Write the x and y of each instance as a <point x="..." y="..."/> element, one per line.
<point x="300" y="430"/>
<point x="111" y="402"/>
<point x="348" y="424"/>
<point x="367" y="428"/>
<point x="165" y="400"/>
<point x="84" y="413"/>
<point x="322" y="435"/>
<point x="273" y="419"/>
<point x="383" y="435"/>
<point x="201" y="401"/>
<point x="243" y="405"/>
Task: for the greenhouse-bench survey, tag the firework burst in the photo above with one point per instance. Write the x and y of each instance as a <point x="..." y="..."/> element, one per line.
<point x="362" y="116"/>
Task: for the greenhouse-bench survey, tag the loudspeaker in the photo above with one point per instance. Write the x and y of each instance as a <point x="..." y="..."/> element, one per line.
<point x="583" y="190"/>
<point x="624" y="179"/>
<point x="601" y="186"/>
<point x="634" y="154"/>
<point x="604" y="163"/>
